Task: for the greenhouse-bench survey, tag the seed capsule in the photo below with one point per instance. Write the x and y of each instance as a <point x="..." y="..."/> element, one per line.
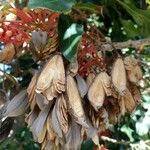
<point x="96" y="93"/>
<point x="119" y="76"/>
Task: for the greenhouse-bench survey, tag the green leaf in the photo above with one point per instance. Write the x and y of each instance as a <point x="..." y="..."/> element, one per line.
<point x="87" y="145"/>
<point x="130" y="28"/>
<point x="88" y="7"/>
<point x="69" y="34"/>
<point x="141" y="17"/>
<point x="55" y="5"/>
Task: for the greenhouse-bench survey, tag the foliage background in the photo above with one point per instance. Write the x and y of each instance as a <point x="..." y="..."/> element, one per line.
<point x="120" y="20"/>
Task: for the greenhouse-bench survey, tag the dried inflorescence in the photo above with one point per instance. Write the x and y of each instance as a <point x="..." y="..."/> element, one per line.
<point x="72" y="101"/>
<point x="64" y="110"/>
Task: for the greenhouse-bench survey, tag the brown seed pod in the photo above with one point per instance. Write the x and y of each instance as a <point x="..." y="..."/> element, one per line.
<point x="52" y="77"/>
<point x="106" y="82"/>
<point x="96" y="93"/>
<point x="128" y="101"/>
<point x="74" y="101"/>
<point x="38" y="127"/>
<point x="62" y="114"/>
<point x="134" y="71"/>
<point x="122" y="106"/>
<point x="135" y="93"/>
<point x="119" y="76"/>
<point x="50" y="130"/>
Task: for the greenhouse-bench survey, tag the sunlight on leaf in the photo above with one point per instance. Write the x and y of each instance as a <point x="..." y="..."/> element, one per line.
<point x="70" y="34"/>
<point x="56" y="5"/>
<point x="141" y="17"/>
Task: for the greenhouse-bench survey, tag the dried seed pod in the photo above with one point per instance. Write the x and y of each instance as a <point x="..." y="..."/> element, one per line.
<point x="122" y="106"/>
<point x="50" y="130"/>
<point x="74" y="101"/>
<point x="52" y="76"/>
<point x="73" y="136"/>
<point x="62" y="114"/>
<point x="30" y="118"/>
<point x="128" y="101"/>
<point x="119" y="76"/>
<point x="18" y="105"/>
<point x="41" y="100"/>
<point x="135" y="91"/>
<point x="38" y="127"/>
<point x="106" y="82"/>
<point x="55" y="123"/>
<point x="134" y="71"/>
<point x="8" y="53"/>
<point x="96" y="93"/>
<point x="82" y="86"/>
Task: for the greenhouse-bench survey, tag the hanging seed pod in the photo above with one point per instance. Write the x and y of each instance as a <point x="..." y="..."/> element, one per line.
<point x="134" y="71"/>
<point x="41" y="101"/>
<point x="62" y="114"/>
<point x="135" y="91"/>
<point x="74" y="101"/>
<point x="128" y="101"/>
<point x="55" y="123"/>
<point x="73" y="137"/>
<point x="106" y="82"/>
<point x="96" y="93"/>
<point x="18" y="105"/>
<point x="122" y="106"/>
<point x="82" y="86"/>
<point x="30" y="118"/>
<point x="38" y="127"/>
<point x="119" y="76"/>
<point x="52" y="76"/>
<point x="50" y="130"/>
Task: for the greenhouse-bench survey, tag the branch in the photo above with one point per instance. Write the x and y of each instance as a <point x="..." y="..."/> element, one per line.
<point x="128" y="44"/>
<point x="104" y="138"/>
<point x="135" y="146"/>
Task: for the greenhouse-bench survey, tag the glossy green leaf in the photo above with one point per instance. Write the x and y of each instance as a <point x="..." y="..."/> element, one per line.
<point x="69" y="34"/>
<point x="130" y="28"/>
<point x="93" y="8"/>
<point x="56" y="5"/>
<point x="141" y="17"/>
